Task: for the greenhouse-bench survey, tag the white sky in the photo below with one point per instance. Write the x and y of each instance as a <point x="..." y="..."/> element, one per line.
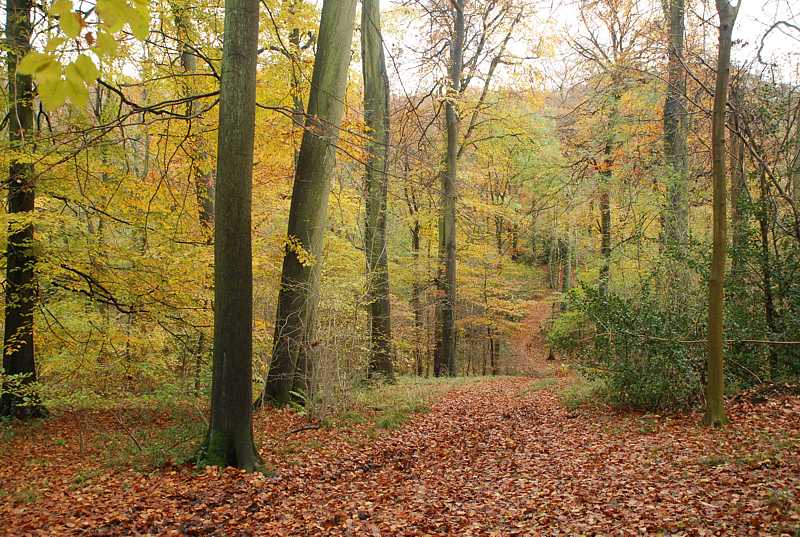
<point x="558" y="16"/>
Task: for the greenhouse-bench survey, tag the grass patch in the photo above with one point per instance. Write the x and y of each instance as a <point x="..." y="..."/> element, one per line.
<point x="153" y="445"/>
<point x="714" y="460"/>
<point x="394" y="418"/>
<point x="538" y="385"/>
<point x="583" y="392"/>
<point x="26" y="495"/>
<point x="390" y="406"/>
<point x="81" y="478"/>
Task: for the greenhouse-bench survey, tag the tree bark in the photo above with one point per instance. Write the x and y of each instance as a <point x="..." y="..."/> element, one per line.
<point x="715" y="373"/>
<point x="416" y="300"/>
<point x="445" y="351"/>
<point x="297" y="300"/>
<point x="676" y="219"/>
<point x="605" y="232"/>
<point x="230" y="434"/>
<point x="376" y="116"/>
<point x="738" y="193"/>
<point x="770" y="315"/>
<point x="566" y="280"/>
<point x="796" y="164"/>
<point x="18" y="400"/>
<point x="606" y="175"/>
<point x="201" y="169"/>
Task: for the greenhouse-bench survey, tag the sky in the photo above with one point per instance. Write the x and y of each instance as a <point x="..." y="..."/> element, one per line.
<point x="781" y="46"/>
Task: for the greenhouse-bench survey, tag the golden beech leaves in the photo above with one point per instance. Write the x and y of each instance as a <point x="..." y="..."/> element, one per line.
<point x="295" y="245"/>
<point x="61" y="80"/>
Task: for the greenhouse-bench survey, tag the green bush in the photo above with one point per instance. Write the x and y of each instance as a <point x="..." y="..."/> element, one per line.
<point x="647" y="343"/>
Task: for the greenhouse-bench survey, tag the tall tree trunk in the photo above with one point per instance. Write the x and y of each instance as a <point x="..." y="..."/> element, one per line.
<point x="21" y="291"/>
<point x="606" y="175"/>
<point x="295" y="58"/>
<point x="605" y="233"/>
<point x="566" y="281"/>
<point x="201" y="167"/>
<point x="764" y="220"/>
<point x="676" y="219"/>
<point x="376" y="116"/>
<point x="739" y="193"/>
<point x="715" y="374"/>
<point x="230" y="434"/>
<point x="445" y="352"/>
<point x="416" y="299"/>
<point x="299" y="292"/>
<point x="796" y="163"/>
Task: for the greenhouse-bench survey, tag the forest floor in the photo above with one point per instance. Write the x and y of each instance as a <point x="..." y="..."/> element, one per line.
<point x="492" y="457"/>
<point x="481" y="456"/>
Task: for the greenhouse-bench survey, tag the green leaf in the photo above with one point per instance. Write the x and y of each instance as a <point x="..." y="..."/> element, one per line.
<point x="53" y="93"/>
<point x="34" y="62"/>
<point x="86" y="68"/>
<point x="61" y="8"/>
<point x="43" y="67"/>
<point x="112" y="13"/>
<point x="106" y="45"/>
<point x="139" y="21"/>
<point x="71" y="24"/>
<point x="54" y="43"/>
<point x="76" y="89"/>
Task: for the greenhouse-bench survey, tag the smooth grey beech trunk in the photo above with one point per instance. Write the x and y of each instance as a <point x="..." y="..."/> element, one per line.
<point x="18" y="350"/>
<point x="290" y="367"/>
<point x="715" y="368"/>
<point x="444" y="358"/>
<point x="230" y="434"/>
<point x="676" y="217"/>
<point x="376" y="116"/>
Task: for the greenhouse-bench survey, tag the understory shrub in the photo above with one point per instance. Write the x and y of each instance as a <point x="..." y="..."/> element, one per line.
<point x="647" y="343"/>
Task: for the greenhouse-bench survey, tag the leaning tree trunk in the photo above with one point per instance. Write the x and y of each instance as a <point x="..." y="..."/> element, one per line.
<point x="376" y="116"/>
<point x="290" y="366"/>
<point x="230" y="434"/>
<point x="18" y="399"/>
<point x="715" y="374"/>
<point x="676" y="219"/>
<point x="444" y="359"/>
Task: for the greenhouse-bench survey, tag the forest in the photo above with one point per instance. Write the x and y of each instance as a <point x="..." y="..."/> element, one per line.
<point x="400" y="267"/>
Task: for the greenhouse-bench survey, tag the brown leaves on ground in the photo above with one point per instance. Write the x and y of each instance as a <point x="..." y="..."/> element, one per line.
<point x="491" y="458"/>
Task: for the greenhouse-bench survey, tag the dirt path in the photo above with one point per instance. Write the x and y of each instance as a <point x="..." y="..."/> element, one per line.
<point x="498" y="457"/>
<point x="528" y="346"/>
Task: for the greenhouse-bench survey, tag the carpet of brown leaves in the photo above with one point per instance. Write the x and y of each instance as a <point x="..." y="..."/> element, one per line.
<point x="491" y="458"/>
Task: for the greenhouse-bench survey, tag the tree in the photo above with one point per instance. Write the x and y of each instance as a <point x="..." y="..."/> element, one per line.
<point x="290" y="365"/>
<point x="676" y="219"/>
<point x="19" y="360"/>
<point x="376" y="115"/>
<point x="613" y="47"/>
<point x="202" y="172"/>
<point x="230" y="434"/>
<point x="444" y="359"/>
<point x="715" y="373"/>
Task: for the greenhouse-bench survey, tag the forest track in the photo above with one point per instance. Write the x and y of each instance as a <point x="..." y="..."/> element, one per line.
<point x="497" y="457"/>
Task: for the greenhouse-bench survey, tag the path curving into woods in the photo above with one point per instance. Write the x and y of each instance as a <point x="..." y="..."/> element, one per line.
<point x="497" y="457"/>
